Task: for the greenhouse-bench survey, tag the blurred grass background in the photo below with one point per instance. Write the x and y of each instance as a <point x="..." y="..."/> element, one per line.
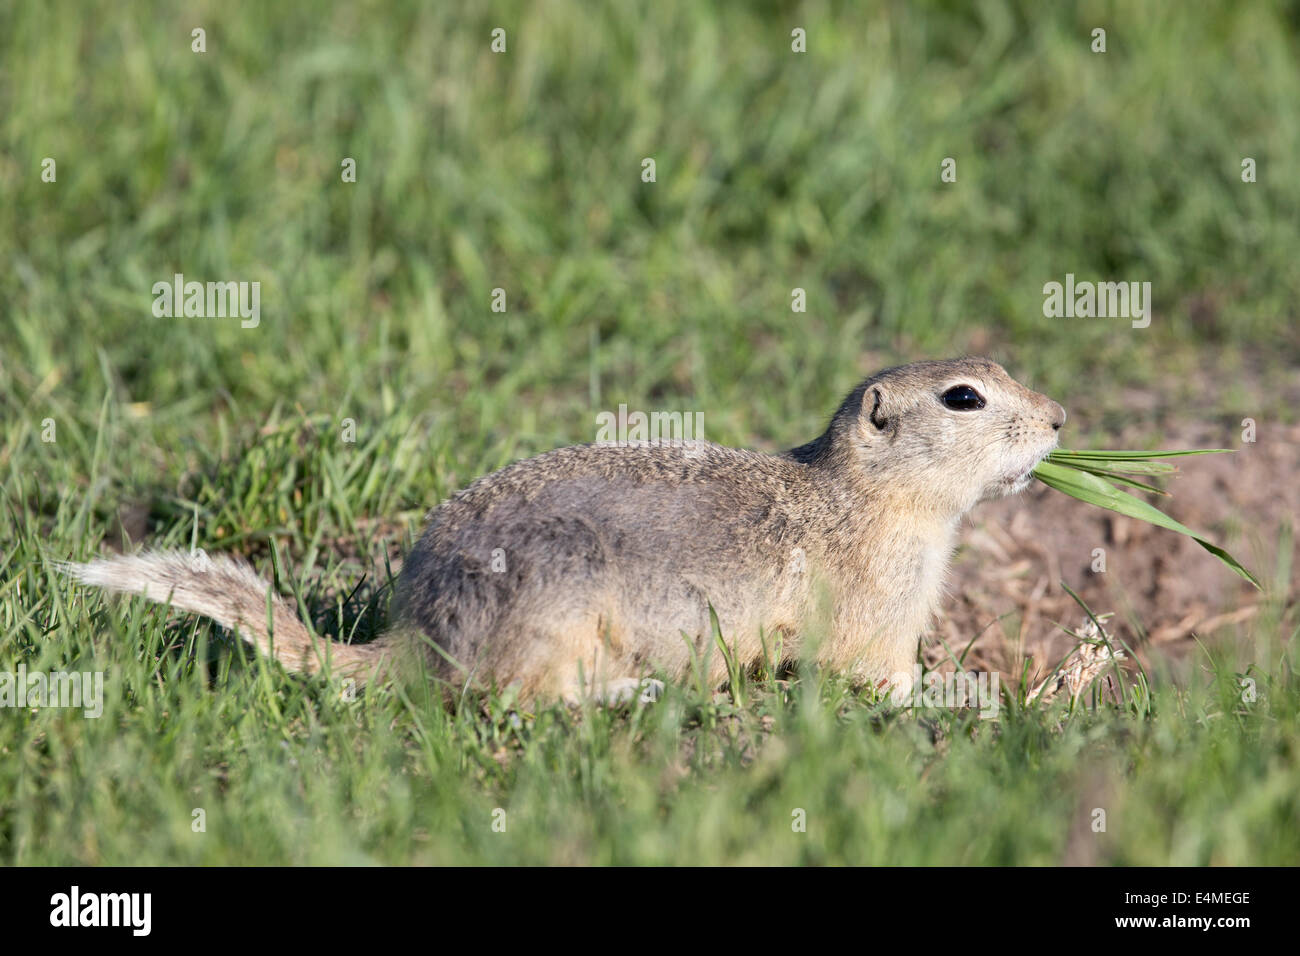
<point x="522" y="171"/>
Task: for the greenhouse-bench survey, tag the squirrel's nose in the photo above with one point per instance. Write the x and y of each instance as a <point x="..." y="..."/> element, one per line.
<point x="1057" y="416"/>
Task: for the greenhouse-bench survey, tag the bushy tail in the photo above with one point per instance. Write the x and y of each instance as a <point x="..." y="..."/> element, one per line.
<point x="230" y="592"/>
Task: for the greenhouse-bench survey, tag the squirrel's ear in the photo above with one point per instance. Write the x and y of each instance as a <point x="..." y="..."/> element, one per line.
<point x="877" y="413"/>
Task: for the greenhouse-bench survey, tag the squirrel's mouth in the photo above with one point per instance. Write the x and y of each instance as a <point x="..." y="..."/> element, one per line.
<point x="1016" y="471"/>
<point x="1017" y="481"/>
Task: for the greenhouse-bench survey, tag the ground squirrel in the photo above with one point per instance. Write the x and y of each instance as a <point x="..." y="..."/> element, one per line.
<point x="586" y="569"/>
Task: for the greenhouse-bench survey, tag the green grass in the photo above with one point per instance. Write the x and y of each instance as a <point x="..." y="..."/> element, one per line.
<point x="522" y="171"/>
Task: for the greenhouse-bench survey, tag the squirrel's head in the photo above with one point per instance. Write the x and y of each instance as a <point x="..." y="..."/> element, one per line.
<point x="948" y="434"/>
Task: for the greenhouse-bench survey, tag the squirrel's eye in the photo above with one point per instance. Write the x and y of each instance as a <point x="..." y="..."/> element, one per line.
<point x="963" y="398"/>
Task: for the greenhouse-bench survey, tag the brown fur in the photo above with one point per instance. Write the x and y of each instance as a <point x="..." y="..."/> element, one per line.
<point x="602" y="560"/>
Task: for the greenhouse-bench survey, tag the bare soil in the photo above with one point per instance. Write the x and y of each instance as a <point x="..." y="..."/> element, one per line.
<point x="1166" y="591"/>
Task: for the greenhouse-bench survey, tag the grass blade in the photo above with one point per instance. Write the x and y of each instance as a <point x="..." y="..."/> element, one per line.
<point x="1095" y="490"/>
<point x="1064" y="454"/>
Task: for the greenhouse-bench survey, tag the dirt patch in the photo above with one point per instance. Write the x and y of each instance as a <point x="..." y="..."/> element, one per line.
<point x="1165" y="590"/>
